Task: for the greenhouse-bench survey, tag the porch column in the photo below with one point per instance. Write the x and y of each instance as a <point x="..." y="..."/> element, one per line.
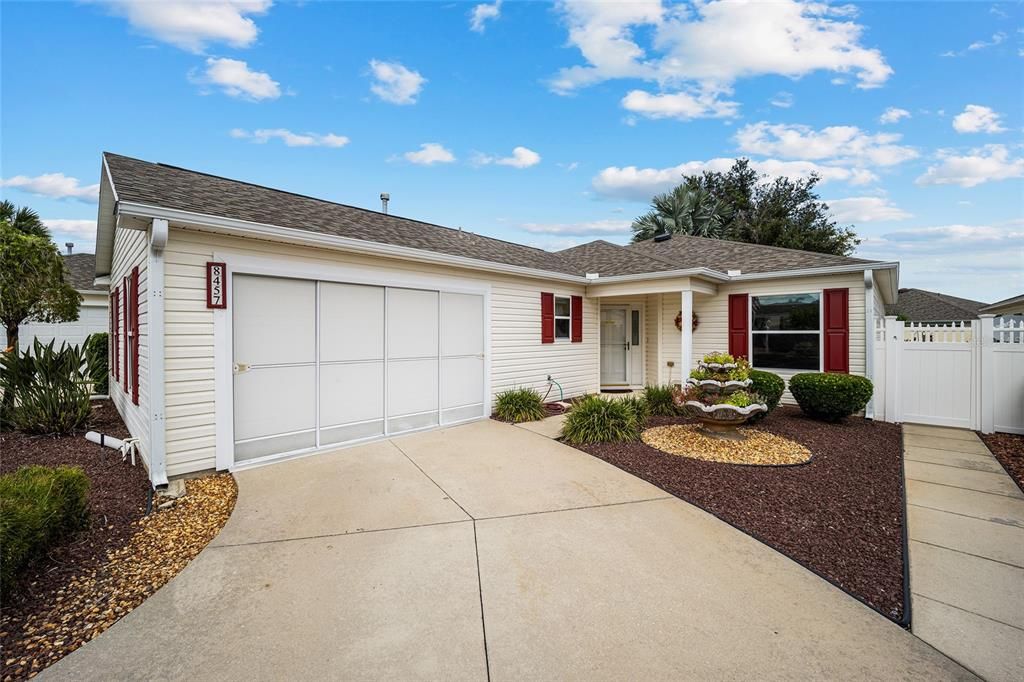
<point x="686" y="337"/>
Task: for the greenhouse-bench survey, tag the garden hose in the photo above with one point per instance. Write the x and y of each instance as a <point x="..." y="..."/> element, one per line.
<point x="561" y="393"/>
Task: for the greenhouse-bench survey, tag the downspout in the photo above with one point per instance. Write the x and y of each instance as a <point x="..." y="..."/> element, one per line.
<point x="869" y="338"/>
<point x="157" y="400"/>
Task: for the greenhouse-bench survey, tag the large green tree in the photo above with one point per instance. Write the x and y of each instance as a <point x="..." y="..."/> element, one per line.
<point x="32" y="286"/>
<point x="749" y="207"/>
<point x="23" y="219"/>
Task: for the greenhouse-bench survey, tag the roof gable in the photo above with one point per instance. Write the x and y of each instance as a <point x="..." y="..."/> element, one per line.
<point x="918" y="305"/>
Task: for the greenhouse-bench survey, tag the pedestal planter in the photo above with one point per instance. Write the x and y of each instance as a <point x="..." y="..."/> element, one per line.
<point x="707" y="399"/>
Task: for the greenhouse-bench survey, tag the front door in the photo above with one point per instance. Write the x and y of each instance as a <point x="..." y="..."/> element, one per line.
<point x="614" y="347"/>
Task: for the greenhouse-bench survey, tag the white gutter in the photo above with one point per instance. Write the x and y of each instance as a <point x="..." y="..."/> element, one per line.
<point x="245" y="228"/>
<point x="869" y="338"/>
<point x="155" y="339"/>
<point x="664" y="274"/>
<point x="810" y="272"/>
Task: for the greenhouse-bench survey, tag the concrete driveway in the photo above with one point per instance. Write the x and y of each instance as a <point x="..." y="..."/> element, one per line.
<point x="486" y="551"/>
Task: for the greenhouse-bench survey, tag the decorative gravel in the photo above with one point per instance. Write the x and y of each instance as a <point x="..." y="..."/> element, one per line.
<point x="758" y="447"/>
<point x="89" y="582"/>
<point x="1008" y="448"/>
<point x="841" y="514"/>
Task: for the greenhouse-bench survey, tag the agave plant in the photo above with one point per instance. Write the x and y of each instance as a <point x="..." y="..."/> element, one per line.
<point x="49" y="388"/>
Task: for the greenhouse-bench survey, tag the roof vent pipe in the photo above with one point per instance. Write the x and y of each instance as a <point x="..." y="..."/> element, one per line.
<point x="384" y="199"/>
<point x="70" y="246"/>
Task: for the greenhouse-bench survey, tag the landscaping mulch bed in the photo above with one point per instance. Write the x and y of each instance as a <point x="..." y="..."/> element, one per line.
<point x="1008" y="448"/>
<point x="841" y="514"/>
<point x="98" y="575"/>
<point x="757" y="447"/>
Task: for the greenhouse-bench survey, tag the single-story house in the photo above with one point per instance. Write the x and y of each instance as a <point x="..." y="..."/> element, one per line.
<point x="1008" y="307"/>
<point x="931" y="307"/>
<point x="251" y="324"/>
<point x="80" y="271"/>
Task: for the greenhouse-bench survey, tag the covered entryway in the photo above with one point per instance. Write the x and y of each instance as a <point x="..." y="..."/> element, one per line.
<point x="622" y="362"/>
<point x="320" y="363"/>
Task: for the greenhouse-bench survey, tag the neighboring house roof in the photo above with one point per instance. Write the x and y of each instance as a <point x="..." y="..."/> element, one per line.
<point x="145" y="185"/>
<point x="918" y="305"/>
<point x="81" y="271"/>
<point x="1014" y="304"/>
<point x="719" y="254"/>
<point x="157" y="184"/>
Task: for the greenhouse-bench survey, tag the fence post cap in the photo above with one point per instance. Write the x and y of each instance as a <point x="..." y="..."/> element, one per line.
<point x="891" y="317"/>
<point x="986" y="316"/>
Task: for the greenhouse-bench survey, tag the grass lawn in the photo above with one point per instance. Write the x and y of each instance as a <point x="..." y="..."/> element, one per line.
<point x="841" y="514"/>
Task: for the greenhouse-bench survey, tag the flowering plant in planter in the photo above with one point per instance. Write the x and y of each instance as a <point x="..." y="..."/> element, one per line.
<point x="717" y="393"/>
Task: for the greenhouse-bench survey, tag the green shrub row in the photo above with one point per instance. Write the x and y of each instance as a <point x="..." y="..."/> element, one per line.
<point x="594" y="419"/>
<point x="45" y="390"/>
<point x="519" y="405"/>
<point x="830" y="397"/>
<point x="38" y="506"/>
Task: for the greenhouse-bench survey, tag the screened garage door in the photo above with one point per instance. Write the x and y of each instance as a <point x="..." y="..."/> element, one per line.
<point x="317" y="364"/>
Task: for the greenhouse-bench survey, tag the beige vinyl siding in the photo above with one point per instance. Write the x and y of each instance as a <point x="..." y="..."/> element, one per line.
<point x="131" y="249"/>
<point x="518" y="358"/>
<point x="712" y="311"/>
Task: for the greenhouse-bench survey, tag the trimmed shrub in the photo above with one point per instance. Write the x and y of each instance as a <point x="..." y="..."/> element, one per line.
<point x="770" y="387"/>
<point x="97" y="358"/>
<point x="519" y="405"/>
<point x="597" y="420"/>
<point x="659" y="400"/>
<point x="49" y="388"/>
<point x="830" y="397"/>
<point x="637" y="403"/>
<point x="38" y="506"/>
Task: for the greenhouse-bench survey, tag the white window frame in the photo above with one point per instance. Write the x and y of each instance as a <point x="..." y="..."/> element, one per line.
<point x="820" y="332"/>
<point x="556" y="317"/>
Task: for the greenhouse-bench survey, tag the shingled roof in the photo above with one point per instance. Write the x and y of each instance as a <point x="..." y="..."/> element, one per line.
<point x="164" y="186"/>
<point x="918" y="305"/>
<point x="723" y="255"/>
<point x="81" y="271"/>
<point x="157" y="184"/>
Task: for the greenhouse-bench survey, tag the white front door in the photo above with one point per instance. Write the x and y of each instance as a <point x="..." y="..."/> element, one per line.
<point x="621" y="352"/>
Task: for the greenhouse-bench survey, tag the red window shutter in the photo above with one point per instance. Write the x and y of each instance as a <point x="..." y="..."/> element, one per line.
<point x="738" y="328"/>
<point x="126" y="284"/>
<point x="115" y="334"/>
<point x="135" y="334"/>
<point x="547" y="317"/>
<point x="577" y="319"/>
<point x="837" y="330"/>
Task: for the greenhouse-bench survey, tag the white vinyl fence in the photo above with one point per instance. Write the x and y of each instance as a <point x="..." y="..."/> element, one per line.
<point x="967" y="375"/>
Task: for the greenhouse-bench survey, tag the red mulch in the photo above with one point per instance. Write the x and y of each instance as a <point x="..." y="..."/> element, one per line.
<point x="117" y="499"/>
<point x="841" y="514"/>
<point x="1008" y="448"/>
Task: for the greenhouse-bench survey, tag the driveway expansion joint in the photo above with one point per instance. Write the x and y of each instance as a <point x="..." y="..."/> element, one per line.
<point x="337" y="535"/>
<point x="973" y="613"/>
<point x="960" y="487"/>
<point x="568" y="509"/>
<point x="976" y="556"/>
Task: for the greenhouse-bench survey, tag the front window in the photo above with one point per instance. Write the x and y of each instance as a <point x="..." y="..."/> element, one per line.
<point x="786" y="331"/>
<point x="563" y="310"/>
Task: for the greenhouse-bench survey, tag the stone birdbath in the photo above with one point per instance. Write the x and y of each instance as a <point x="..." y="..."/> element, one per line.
<point x="717" y="395"/>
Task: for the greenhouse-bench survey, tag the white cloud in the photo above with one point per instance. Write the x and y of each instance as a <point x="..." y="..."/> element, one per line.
<point x="236" y="79"/>
<point x="712" y="44"/>
<point x="640" y="184"/>
<point x="843" y="144"/>
<point x="865" y="210"/>
<point x="997" y="38"/>
<point x="977" y="119"/>
<point x="893" y="115"/>
<point x="264" y="135"/>
<point x="430" y="153"/>
<point x="593" y="227"/>
<point x="395" y="83"/>
<point x="521" y="157"/>
<point x="782" y="100"/>
<point x="193" y="24"/>
<point x="81" y="229"/>
<point x="679" y="105"/>
<point x="482" y="13"/>
<point x="53" y="185"/>
<point x="990" y="163"/>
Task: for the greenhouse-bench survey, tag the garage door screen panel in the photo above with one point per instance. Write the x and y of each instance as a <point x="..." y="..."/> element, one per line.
<point x="412" y="359"/>
<point x="351" y="362"/>
<point x="462" y="357"/>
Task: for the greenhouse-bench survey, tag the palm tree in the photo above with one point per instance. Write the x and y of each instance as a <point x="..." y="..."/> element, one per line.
<point x="23" y="219"/>
<point x="683" y="211"/>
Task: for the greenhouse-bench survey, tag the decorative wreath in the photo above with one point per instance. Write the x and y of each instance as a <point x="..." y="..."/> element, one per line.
<point x="679" y="321"/>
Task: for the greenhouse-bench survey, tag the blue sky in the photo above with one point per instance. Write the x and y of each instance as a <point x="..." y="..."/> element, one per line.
<point x="547" y="124"/>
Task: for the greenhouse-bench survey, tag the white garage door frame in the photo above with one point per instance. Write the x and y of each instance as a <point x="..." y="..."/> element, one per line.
<point x="245" y="264"/>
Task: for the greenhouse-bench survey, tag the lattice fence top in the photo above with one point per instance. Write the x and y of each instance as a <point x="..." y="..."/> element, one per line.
<point x="954" y="332"/>
<point x="1008" y="329"/>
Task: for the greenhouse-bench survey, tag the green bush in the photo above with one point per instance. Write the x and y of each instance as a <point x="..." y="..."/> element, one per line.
<point x="97" y="358"/>
<point x="519" y="405"/>
<point x="38" y="506"/>
<point x="638" y="405"/>
<point x="659" y="400"/>
<point x="597" y="420"/>
<point x="49" y="388"/>
<point x="830" y="397"/>
<point x="770" y="387"/>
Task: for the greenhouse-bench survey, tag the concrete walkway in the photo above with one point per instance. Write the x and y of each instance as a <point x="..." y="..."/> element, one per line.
<point x="966" y="529"/>
<point x="487" y="552"/>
